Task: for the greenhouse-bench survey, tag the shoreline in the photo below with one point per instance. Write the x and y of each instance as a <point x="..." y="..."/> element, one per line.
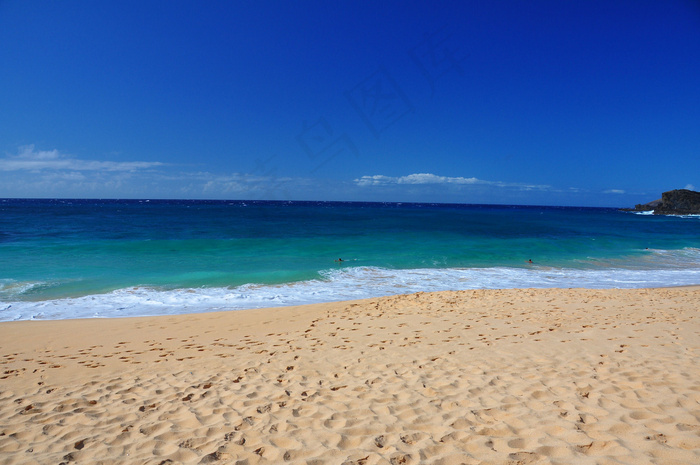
<point x="492" y="376"/>
<point x="671" y="286"/>
<point x="344" y="284"/>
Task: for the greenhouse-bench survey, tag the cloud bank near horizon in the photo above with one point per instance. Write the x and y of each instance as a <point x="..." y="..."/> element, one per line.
<point x="28" y="158"/>
<point x="30" y="172"/>
<point x="435" y="180"/>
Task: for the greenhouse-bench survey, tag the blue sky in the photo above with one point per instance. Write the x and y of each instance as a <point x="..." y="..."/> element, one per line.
<point x="521" y="102"/>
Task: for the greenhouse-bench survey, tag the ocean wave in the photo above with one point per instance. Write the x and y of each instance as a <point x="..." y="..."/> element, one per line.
<point x="9" y="288"/>
<point x="345" y="284"/>
<point x="693" y="215"/>
<point x="651" y="212"/>
<point x="688" y="257"/>
<point x="648" y="212"/>
<point x="648" y="259"/>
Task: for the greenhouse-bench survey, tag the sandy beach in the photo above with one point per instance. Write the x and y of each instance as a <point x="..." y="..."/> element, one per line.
<point x="474" y="377"/>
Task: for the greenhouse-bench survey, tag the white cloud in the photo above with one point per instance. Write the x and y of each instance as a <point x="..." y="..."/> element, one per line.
<point x="690" y="187"/>
<point x="428" y="178"/>
<point x="418" y="178"/>
<point x="376" y="180"/>
<point x="49" y="173"/>
<point x="28" y="158"/>
<point x="27" y="152"/>
<point x="614" y="191"/>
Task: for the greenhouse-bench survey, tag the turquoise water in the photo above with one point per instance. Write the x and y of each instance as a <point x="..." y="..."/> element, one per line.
<point x="74" y="258"/>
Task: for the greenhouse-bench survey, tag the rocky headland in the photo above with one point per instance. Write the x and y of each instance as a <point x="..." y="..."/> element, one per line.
<point x="675" y="202"/>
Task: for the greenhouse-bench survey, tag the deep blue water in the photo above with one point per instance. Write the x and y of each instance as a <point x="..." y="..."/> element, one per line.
<point x="83" y="258"/>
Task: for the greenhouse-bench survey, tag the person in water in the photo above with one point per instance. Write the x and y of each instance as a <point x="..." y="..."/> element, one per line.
<point x="339" y="260"/>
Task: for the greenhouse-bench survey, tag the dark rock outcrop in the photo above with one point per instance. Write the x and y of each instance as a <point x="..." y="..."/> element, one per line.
<point x="645" y="207"/>
<point x="675" y="202"/>
<point x="679" y="202"/>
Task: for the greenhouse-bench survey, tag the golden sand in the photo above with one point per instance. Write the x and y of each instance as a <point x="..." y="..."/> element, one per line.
<point x="473" y="377"/>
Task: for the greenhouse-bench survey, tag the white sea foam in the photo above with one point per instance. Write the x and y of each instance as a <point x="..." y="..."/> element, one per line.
<point x="651" y="212"/>
<point x="346" y="284"/>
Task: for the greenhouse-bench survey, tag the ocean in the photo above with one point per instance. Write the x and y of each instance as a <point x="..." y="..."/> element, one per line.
<point x="62" y="259"/>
